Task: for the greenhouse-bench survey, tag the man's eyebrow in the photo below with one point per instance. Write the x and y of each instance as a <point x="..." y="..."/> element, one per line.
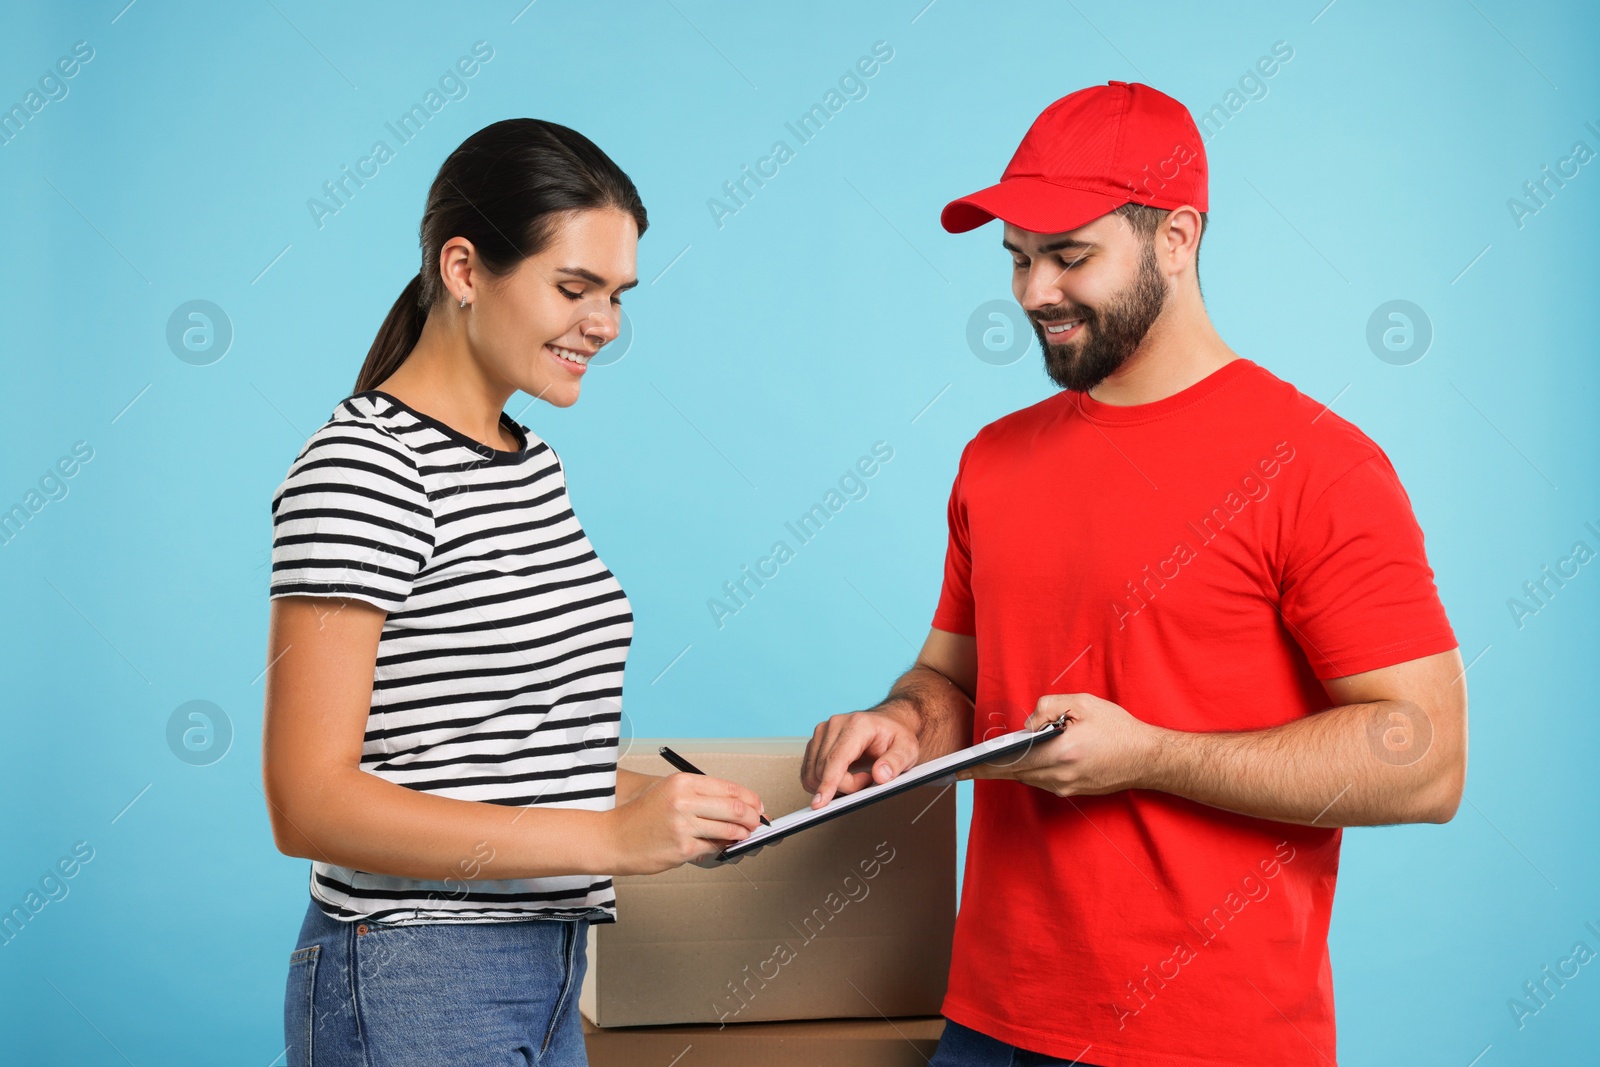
<point x="1053" y="246"/>
<point x="593" y="278"/>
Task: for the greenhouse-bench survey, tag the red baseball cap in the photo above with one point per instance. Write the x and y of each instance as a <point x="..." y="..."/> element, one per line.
<point x="1089" y="153"/>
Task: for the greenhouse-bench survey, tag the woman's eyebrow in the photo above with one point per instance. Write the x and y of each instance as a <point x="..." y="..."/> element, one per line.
<point x="592" y="277"/>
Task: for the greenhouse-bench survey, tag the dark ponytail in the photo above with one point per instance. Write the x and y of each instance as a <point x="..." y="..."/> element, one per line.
<point x="504" y="189"/>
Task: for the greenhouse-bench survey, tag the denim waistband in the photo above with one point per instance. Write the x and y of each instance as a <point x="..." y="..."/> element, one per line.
<point x="368" y="994"/>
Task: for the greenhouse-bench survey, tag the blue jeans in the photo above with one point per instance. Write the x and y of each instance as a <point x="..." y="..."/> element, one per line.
<point x="497" y="994"/>
<point x="961" y="1046"/>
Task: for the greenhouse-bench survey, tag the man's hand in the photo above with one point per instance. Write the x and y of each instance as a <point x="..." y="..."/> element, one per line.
<point x="1102" y="750"/>
<point x="854" y="750"/>
<point x="927" y="714"/>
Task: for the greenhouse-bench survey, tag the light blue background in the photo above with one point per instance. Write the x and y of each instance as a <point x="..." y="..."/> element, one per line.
<point x="824" y="316"/>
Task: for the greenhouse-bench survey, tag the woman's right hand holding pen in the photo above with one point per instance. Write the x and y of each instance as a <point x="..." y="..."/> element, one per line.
<point x="676" y="819"/>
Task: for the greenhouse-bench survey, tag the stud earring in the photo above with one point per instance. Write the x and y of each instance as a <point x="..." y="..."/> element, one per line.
<point x="463" y="302"/>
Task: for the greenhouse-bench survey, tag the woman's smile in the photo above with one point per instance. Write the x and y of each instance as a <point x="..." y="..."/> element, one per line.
<point x="571" y="360"/>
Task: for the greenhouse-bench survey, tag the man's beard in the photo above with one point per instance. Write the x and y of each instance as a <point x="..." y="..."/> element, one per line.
<point x="1113" y="334"/>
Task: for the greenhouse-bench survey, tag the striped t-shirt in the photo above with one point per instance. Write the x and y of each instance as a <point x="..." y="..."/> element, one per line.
<point x="499" y="669"/>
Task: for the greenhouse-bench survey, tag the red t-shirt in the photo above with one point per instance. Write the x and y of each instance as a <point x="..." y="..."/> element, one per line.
<point x="1201" y="561"/>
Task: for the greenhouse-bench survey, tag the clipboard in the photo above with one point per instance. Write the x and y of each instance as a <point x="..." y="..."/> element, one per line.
<point x="931" y="773"/>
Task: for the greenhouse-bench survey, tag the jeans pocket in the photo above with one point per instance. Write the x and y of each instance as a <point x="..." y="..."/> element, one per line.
<point x="299" y="992"/>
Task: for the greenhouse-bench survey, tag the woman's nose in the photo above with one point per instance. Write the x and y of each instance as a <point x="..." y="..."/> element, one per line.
<point x="600" y="327"/>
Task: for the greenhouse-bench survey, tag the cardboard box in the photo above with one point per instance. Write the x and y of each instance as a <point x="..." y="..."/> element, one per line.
<point x="812" y="1043"/>
<point x="852" y="918"/>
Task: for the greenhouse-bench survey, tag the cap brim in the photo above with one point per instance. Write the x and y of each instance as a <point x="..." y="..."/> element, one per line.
<point x="1032" y="204"/>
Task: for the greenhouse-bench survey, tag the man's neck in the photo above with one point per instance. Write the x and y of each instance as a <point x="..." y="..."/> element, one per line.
<point x="1173" y="356"/>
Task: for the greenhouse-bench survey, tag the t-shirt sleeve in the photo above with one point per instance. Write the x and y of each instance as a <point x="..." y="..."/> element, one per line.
<point x="351" y="519"/>
<point x="1357" y="591"/>
<point x="954" y="613"/>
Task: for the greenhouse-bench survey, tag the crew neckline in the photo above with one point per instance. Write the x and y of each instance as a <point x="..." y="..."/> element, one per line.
<point x="1126" y="414"/>
<point x="489" y="452"/>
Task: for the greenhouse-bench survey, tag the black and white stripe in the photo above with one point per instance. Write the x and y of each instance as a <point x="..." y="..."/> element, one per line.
<point x="499" y="671"/>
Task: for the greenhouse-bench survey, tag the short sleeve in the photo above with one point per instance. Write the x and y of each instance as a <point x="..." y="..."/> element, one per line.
<point x="351" y="519"/>
<point x="1357" y="591"/>
<point x="954" y="613"/>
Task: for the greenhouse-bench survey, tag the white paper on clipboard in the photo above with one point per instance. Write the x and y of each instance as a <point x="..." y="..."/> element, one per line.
<point x="931" y="773"/>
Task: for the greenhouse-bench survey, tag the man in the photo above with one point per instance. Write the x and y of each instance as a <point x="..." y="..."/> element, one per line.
<point x="1219" y="583"/>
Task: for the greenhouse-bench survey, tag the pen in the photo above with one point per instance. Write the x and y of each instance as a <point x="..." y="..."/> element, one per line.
<point x="689" y="768"/>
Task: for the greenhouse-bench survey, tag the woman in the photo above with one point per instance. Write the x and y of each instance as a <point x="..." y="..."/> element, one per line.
<point x="446" y="649"/>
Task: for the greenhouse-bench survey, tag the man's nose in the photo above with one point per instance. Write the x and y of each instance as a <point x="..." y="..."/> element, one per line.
<point x="1041" y="289"/>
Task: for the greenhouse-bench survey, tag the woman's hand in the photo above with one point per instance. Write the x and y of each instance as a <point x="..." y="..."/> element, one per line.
<point x="678" y="819"/>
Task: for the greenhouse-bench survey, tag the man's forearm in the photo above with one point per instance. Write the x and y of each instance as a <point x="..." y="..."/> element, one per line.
<point x="934" y="708"/>
<point x="1321" y="770"/>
